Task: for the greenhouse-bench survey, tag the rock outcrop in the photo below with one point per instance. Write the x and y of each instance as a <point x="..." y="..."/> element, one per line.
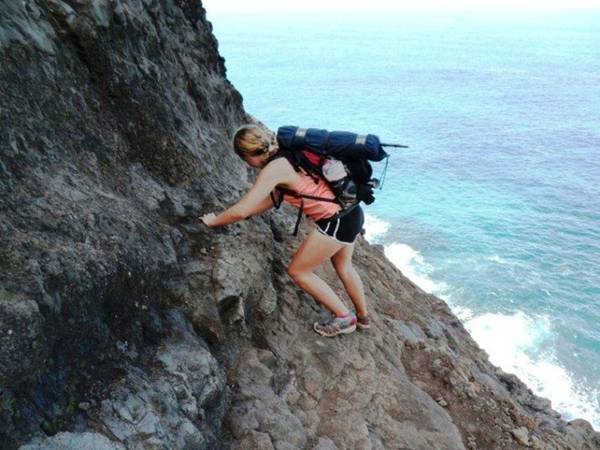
<point x="124" y="324"/>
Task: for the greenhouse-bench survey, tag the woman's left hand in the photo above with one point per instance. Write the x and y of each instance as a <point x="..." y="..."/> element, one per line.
<point x="208" y="219"/>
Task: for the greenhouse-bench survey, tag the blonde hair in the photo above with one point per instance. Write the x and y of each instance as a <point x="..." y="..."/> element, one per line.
<point x="251" y="140"/>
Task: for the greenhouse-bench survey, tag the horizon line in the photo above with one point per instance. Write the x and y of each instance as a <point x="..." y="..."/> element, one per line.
<point x="380" y="6"/>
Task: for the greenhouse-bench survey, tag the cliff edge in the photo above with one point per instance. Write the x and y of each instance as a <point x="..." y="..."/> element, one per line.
<point x="125" y="324"/>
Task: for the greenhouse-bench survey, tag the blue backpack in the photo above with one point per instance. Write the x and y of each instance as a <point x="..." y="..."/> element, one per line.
<point x="341" y="158"/>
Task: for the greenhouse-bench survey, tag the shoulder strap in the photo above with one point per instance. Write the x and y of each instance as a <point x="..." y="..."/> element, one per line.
<point x="298" y="161"/>
<point x="276" y="204"/>
<point x="285" y="191"/>
<point x="291" y="193"/>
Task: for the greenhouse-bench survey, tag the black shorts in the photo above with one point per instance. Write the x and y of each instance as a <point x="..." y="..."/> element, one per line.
<point x="345" y="229"/>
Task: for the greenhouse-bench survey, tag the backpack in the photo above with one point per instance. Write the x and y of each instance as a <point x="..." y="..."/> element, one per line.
<point x="340" y="158"/>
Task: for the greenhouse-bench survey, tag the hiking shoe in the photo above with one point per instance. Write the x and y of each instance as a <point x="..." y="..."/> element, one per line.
<point x="364" y="323"/>
<point x="336" y="325"/>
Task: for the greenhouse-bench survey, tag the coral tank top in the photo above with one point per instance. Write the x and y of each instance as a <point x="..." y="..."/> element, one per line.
<point x="315" y="209"/>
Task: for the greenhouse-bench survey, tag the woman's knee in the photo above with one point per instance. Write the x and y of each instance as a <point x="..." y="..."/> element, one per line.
<point x="343" y="270"/>
<point x="295" y="273"/>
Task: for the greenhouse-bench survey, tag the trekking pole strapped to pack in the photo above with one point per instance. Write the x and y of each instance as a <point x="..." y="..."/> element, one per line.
<point x="394" y="145"/>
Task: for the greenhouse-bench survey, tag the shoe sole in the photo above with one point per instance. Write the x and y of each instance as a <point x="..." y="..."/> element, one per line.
<point x="363" y="327"/>
<point x="344" y="331"/>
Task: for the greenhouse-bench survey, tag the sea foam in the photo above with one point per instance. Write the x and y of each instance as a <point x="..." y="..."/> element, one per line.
<point x="516" y="342"/>
<point x="521" y="344"/>
<point x="374" y="227"/>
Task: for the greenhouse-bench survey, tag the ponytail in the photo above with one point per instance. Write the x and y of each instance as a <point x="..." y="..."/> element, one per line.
<point x="251" y="140"/>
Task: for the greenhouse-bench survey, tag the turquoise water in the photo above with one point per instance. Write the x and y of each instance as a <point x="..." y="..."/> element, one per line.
<point x="495" y="207"/>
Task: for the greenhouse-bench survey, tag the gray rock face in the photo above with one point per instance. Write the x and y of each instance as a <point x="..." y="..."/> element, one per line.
<point x="124" y="324"/>
<point x="74" y="441"/>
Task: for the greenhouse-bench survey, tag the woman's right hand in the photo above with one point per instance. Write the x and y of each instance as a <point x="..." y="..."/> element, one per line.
<point x="208" y="219"/>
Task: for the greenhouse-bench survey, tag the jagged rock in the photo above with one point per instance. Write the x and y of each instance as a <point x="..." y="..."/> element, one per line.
<point x="254" y="441"/>
<point x="521" y="435"/>
<point x="325" y="444"/>
<point x="441" y="401"/>
<point x="20" y="325"/>
<point x="74" y="441"/>
<point x="582" y="425"/>
<point x="124" y="323"/>
<point x="84" y="406"/>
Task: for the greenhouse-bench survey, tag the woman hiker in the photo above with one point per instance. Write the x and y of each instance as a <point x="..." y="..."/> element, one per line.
<point x="332" y="238"/>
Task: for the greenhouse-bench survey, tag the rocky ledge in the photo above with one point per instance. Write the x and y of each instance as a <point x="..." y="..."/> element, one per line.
<point x="124" y="324"/>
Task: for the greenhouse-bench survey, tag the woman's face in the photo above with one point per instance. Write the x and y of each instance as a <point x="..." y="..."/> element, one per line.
<point x="258" y="161"/>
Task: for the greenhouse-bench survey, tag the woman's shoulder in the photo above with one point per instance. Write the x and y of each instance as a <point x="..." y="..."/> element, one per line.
<point x="280" y="164"/>
<point x="284" y="169"/>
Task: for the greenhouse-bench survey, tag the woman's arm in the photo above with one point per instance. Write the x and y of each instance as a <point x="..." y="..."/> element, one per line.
<point x="256" y="200"/>
<point x="263" y="206"/>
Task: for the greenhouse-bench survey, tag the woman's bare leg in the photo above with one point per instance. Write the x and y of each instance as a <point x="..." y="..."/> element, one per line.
<point x="315" y="249"/>
<point x="342" y="262"/>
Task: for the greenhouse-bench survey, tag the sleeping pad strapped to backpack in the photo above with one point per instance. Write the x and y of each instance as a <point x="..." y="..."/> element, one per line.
<point x="340" y="157"/>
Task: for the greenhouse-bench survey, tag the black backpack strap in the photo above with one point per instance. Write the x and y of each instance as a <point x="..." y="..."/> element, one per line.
<point x="289" y="192"/>
<point x="300" y="211"/>
<point x="276" y="204"/>
<point x="299" y="162"/>
<point x="284" y="191"/>
<point x="343" y="212"/>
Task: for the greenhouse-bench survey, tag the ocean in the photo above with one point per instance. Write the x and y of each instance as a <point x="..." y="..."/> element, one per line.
<point x="495" y="206"/>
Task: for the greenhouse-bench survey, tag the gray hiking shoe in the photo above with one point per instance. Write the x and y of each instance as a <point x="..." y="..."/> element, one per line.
<point x="336" y="325"/>
<point x="363" y="323"/>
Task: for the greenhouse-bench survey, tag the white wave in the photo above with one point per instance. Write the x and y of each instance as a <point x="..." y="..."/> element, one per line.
<point x="498" y="259"/>
<point x="413" y="266"/>
<point x="518" y="343"/>
<point x="519" y="333"/>
<point x="375" y="227"/>
<point x="462" y="312"/>
<point x="513" y="342"/>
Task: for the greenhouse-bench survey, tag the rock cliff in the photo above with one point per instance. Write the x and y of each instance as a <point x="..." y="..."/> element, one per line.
<point x="126" y="325"/>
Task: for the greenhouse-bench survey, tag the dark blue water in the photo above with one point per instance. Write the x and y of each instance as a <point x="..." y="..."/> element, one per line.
<point x="495" y="206"/>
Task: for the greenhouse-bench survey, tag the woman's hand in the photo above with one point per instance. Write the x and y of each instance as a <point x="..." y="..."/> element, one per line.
<point x="208" y="219"/>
